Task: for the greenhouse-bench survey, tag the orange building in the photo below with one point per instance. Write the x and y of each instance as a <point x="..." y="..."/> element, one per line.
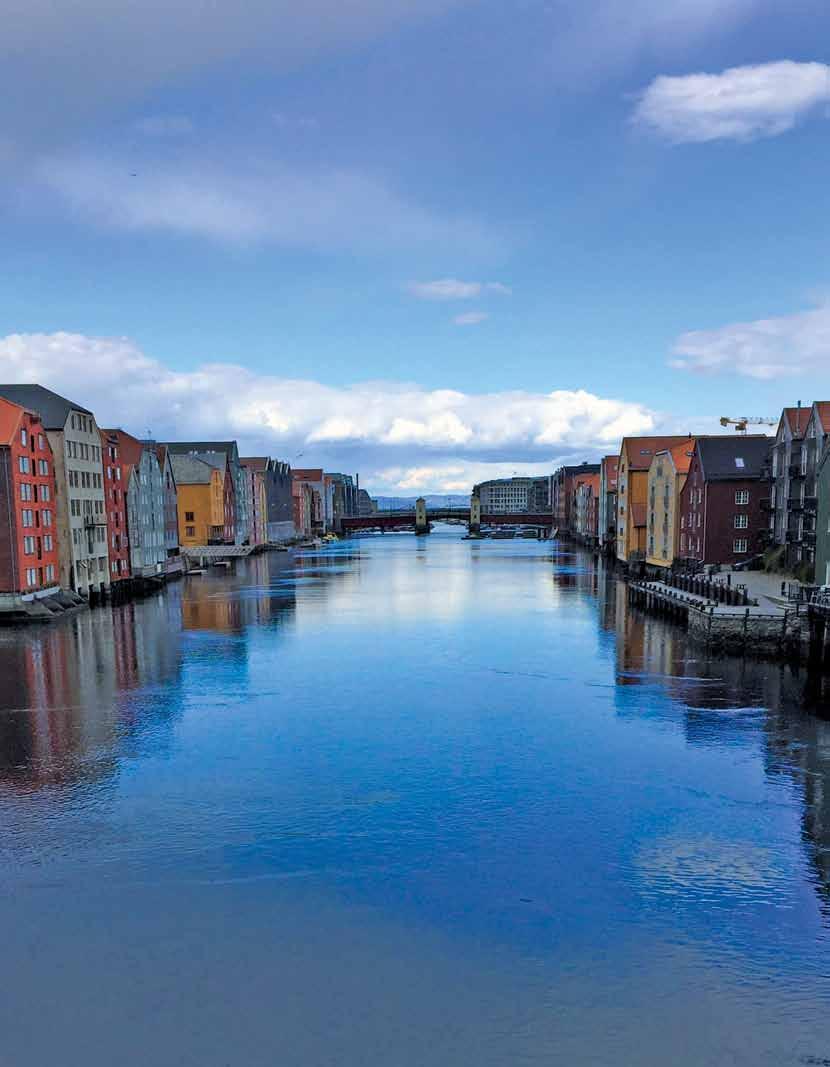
<point x="205" y="515"/>
<point x="28" y="538"/>
<point x="636" y="454"/>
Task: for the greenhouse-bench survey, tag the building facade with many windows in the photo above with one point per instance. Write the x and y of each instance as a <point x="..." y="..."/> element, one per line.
<point x="80" y="514"/>
<point x="29" y="564"/>
<point x="722" y="516"/>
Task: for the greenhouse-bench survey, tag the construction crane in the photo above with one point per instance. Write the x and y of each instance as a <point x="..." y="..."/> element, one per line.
<point x="741" y="423"/>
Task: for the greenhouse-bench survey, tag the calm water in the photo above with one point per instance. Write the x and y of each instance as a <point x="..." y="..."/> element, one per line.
<point x="407" y="802"/>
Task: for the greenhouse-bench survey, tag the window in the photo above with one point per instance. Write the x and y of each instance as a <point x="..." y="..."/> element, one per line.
<point x="739" y="462"/>
<point x="40" y="442"/>
<point x="28" y="517"/>
<point x="190" y="531"/>
<point x="48" y="544"/>
<point x="42" y="467"/>
<point x="23" y="464"/>
<point x="45" y="493"/>
<point x="29" y="545"/>
<point x="31" y="576"/>
<point x="24" y="438"/>
<point x="739" y="546"/>
<point x="742" y="496"/>
<point x="50" y="572"/>
<point x="25" y="491"/>
<point x="741" y="522"/>
<point x="188" y="516"/>
<point x="46" y="517"/>
<point x="114" y="566"/>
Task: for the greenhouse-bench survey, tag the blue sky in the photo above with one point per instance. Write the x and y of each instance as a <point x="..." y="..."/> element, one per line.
<point x="431" y="240"/>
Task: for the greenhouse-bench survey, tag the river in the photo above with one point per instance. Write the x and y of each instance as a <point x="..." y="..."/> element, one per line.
<point x="407" y="801"/>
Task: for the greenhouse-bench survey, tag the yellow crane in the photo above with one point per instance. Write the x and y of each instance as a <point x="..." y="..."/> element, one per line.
<point x="741" y="423"/>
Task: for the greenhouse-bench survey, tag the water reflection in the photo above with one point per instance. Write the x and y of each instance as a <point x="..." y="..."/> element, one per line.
<point x="463" y="783"/>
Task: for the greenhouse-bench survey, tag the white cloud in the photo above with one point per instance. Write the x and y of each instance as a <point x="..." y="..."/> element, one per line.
<point x="453" y="289"/>
<point x="256" y="202"/>
<point x="373" y="427"/>
<point x="471" y="318"/>
<point x="740" y="104"/>
<point x="765" y="348"/>
<point x="164" y="125"/>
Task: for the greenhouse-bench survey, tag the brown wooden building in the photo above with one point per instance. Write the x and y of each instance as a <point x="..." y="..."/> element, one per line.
<point x="723" y="516"/>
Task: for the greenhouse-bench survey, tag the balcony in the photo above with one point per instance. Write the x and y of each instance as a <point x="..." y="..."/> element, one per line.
<point x="811" y="503"/>
<point x="794" y="470"/>
<point x="809" y="537"/>
<point x="795" y="503"/>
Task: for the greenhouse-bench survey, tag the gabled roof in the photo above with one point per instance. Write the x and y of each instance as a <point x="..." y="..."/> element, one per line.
<point x="681" y="455"/>
<point x="255" y="463"/>
<point x="724" y="459"/>
<point x="822" y="410"/>
<point x="190" y="470"/>
<point x="579" y="468"/>
<point x="130" y="448"/>
<point x="10" y="416"/>
<point x="53" y="409"/>
<point x="182" y="448"/>
<point x="797" y="419"/>
<point x="639" y="451"/>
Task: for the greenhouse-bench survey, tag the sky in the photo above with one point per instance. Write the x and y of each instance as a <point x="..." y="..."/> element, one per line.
<point x="430" y="241"/>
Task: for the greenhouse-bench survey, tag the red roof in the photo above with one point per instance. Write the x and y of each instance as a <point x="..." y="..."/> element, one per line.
<point x="639" y="451"/>
<point x="10" y="416"/>
<point x="823" y="411"/>
<point x="798" y="419"/>
<point x="255" y="463"/>
<point x="682" y="455"/>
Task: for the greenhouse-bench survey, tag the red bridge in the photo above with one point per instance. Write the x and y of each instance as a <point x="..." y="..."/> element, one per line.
<point x="405" y="520"/>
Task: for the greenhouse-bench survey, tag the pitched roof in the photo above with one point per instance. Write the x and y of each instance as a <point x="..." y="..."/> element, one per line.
<point x="639" y="451"/>
<point x="733" y="458"/>
<point x="579" y="468"/>
<point x="255" y="463"/>
<point x="681" y="455"/>
<point x="52" y="408"/>
<point x="183" y="448"/>
<point x="130" y="448"/>
<point x="823" y="411"/>
<point x="798" y="419"/>
<point x="190" y="470"/>
<point x="10" y="416"/>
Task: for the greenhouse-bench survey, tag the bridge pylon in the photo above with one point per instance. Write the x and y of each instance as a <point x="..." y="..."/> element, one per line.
<point x="474" y="526"/>
<point x="421" y="520"/>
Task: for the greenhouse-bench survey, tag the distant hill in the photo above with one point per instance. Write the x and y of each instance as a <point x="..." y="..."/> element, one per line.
<point x="434" y="500"/>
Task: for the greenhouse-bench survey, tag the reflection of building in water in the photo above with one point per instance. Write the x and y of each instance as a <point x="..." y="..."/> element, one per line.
<point x="66" y="706"/>
<point x="252" y="592"/>
<point x="798" y="745"/>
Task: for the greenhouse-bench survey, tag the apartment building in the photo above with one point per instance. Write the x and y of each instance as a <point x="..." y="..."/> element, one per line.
<point x="29" y="563"/>
<point x="81" y="522"/>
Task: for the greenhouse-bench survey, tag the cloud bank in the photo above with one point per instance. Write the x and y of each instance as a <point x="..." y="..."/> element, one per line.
<point x="398" y="435"/>
<point x="453" y="289"/>
<point x="764" y="349"/>
<point x="254" y="202"/>
<point x="741" y="104"/>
